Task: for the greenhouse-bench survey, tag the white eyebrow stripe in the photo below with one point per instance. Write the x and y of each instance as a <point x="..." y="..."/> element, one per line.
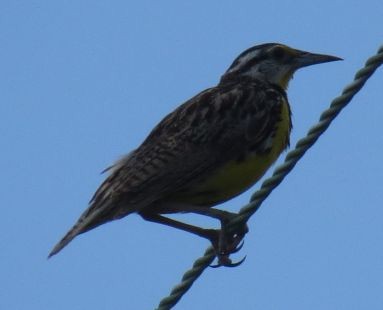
<point x="244" y="59"/>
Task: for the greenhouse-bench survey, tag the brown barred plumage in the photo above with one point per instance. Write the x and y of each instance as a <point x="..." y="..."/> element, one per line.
<point x="240" y="126"/>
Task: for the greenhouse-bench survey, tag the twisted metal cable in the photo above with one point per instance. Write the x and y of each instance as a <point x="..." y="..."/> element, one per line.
<point x="279" y="174"/>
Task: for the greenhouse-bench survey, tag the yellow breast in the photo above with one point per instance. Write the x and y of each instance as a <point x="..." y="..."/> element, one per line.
<point x="235" y="177"/>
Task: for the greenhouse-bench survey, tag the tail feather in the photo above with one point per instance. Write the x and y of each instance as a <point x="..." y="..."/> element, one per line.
<point x="71" y="234"/>
<point x="90" y="219"/>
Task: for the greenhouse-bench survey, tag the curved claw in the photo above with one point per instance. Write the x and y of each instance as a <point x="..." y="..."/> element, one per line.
<point x="226" y="262"/>
<point x="237" y="263"/>
<point x="238" y="248"/>
<point x="215" y="266"/>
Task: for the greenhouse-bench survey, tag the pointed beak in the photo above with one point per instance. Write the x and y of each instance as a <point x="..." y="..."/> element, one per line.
<point x="305" y="59"/>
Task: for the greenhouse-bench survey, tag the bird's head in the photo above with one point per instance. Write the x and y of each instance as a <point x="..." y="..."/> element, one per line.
<point x="273" y="62"/>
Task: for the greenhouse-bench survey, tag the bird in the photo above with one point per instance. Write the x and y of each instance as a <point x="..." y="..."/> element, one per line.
<point x="210" y="149"/>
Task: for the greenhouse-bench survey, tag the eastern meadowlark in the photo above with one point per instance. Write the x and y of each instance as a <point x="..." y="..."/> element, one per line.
<point x="210" y="149"/>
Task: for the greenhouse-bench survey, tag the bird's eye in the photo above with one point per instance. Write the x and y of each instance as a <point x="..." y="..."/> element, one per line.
<point x="278" y="53"/>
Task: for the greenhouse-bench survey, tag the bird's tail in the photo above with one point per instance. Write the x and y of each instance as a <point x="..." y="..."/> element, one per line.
<point x="90" y="219"/>
<point x="70" y="235"/>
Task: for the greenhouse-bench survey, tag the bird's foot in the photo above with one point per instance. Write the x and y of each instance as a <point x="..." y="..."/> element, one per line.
<point x="226" y="243"/>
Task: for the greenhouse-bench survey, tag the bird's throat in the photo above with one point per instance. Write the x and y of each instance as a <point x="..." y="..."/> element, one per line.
<point x="285" y="79"/>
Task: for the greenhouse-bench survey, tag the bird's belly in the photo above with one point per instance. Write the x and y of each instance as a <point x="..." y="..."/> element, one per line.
<point x="235" y="177"/>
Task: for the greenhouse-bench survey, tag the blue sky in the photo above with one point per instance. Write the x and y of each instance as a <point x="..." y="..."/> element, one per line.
<point x="83" y="82"/>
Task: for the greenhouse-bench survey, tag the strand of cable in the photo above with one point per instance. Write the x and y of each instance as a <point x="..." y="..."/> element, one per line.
<point x="279" y="174"/>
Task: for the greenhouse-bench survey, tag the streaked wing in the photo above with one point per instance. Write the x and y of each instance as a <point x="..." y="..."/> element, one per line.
<point x="218" y="125"/>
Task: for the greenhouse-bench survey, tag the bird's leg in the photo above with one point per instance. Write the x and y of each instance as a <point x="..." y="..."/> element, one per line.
<point x="228" y="242"/>
<point x="210" y="234"/>
<point x="223" y="241"/>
